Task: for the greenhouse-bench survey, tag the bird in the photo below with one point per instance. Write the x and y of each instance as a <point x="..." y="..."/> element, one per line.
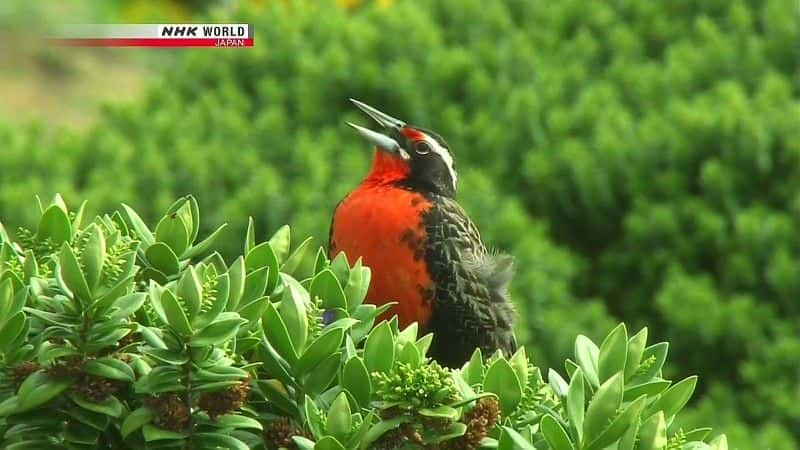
<point x="424" y="251"/>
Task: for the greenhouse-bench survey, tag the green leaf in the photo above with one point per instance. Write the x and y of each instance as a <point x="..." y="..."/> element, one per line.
<point x="657" y="354"/>
<point x="135" y="420"/>
<point x="255" y="284"/>
<point x="127" y="305"/>
<point x="357" y="284"/>
<point x="453" y="431"/>
<point x="312" y="416"/>
<point x="554" y="434"/>
<point x="424" y="343"/>
<point x="674" y="399"/>
<point x="72" y="275"/>
<point x="39" y="389"/>
<point x="356" y="379"/>
<point x="217" y="332"/>
<point x="319" y="379"/>
<point x="277" y="334"/>
<point x="195" y="217"/>
<point x="472" y="371"/>
<point x="6" y="296"/>
<point x="254" y="310"/>
<point x="628" y="439"/>
<point x="175" y="315"/>
<point x="603" y="406"/>
<point x="263" y="256"/>
<point x="410" y="355"/>
<point x="303" y="443"/>
<point x="621" y="423"/>
<point x="512" y="440"/>
<point x="54" y="225"/>
<point x="142" y="231"/>
<point x="636" y="346"/>
<point x="218" y="302"/>
<point x="190" y="291"/>
<point x="276" y="393"/>
<point x="326" y="287"/>
<point x="587" y="353"/>
<point x="328" y="443"/>
<point x="558" y="383"/>
<point x="236" y="275"/>
<point x="11" y="330"/>
<point x="173" y="231"/>
<point x="698" y="434"/>
<point x="441" y="412"/>
<point x="650" y="389"/>
<point x="321" y="260"/>
<point x="30" y="268"/>
<point x="280" y="243"/>
<point x="153" y="433"/>
<point x="339" y="419"/>
<point x="719" y="443"/>
<point x="613" y="353"/>
<point x="237" y="421"/>
<point x="322" y="347"/>
<point x="292" y="309"/>
<point x="292" y="263"/>
<point x="502" y="380"/>
<point x="575" y="403"/>
<point x="205" y="244"/>
<point x="379" y="349"/>
<point x="218" y="440"/>
<point x="161" y="256"/>
<point x="381" y="428"/>
<point x="93" y="255"/>
<point x="110" y="406"/>
<point x="653" y="433"/>
<point x="519" y="362"/>
<point x="250" y="238"/>
<point x="99" y="422"/>
<point x="110" y="368"/>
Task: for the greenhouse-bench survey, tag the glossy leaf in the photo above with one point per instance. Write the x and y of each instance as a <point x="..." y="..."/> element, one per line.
<point x="603" y="406"/>
<point x="502" y="380"/>
<point x="327" y="287"/>
<point x="575" y="403"/>
<point x="613" y="353"/>
<point x="586" y="354"/>
<point x="163" y="258"/>
<point x="93" y="255"/>
<point x="321" y="348"/>
<point x="339" y="420"/>
<point x="356" y="379"/>
<point x="379" y="349"/>
<point x="555" y="434"/>
<point x="72" y="274"/>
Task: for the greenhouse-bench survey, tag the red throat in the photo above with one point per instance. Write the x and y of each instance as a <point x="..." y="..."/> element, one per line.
<point x="387" y="168"/>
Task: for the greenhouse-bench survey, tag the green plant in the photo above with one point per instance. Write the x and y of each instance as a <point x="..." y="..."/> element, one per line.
<point x="638" y="158"/>
<point x="115" y="335"/>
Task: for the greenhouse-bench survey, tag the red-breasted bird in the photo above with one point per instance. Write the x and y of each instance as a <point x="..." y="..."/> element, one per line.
<point x="424" y="251"/>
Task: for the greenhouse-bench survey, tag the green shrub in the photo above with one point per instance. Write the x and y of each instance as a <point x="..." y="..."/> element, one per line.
<point x="117" y="335"/>
<point x="638" y="158"/>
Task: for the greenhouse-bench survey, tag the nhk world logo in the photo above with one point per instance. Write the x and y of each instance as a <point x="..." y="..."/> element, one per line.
<point x="157" y="35"/>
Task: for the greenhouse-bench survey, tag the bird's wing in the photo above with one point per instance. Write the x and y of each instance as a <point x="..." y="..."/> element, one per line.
<point x="472" y="307"/>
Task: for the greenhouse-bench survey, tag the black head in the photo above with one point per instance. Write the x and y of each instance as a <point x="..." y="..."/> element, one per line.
<point x="420" y="157"/>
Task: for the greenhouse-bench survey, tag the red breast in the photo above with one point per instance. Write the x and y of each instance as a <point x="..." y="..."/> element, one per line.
<point x="382" y="223"/>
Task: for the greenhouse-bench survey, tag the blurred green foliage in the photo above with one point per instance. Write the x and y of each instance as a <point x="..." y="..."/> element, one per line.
<point x="640" y="159"/>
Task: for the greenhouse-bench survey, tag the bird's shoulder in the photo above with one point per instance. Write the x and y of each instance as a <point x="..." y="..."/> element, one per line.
<point x="467" y="275"/>
<point x="472" y="306"/>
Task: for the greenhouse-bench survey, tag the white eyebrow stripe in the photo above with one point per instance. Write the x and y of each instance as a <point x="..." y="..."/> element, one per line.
<point x="446" y="157"/>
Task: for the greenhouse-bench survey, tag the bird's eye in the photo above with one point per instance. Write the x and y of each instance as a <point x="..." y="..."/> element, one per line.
<point x="422" y="148"/>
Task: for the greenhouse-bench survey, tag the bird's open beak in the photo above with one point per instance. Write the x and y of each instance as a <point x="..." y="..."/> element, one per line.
<point x="388" y="122"/>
